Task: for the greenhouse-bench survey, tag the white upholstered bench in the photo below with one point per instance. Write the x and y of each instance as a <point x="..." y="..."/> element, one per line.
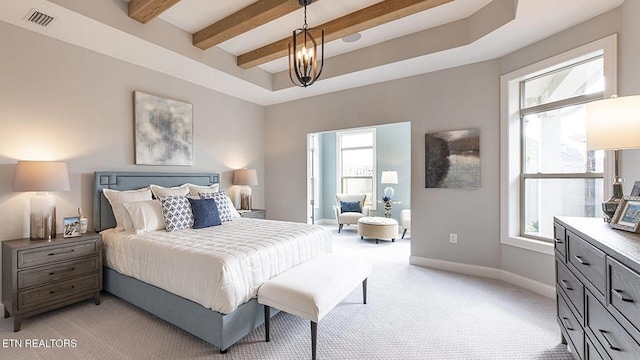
<point x="378" y="228"/>
<point x="311" y="289"/>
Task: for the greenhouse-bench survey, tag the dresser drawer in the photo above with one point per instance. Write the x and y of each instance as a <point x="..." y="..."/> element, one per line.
<point x="590" y="351"/>
<point x="589" y="261"/>
<point x="571" y="326"/>
<point x="617" y="343"/>
<point x="58" y="272"/>
<point x="560" y="241"/>
<point x="61" y="290"/>
<point x="40" y="256"/>
<point x="571" y="286"/>
<point x="625" y="291"/>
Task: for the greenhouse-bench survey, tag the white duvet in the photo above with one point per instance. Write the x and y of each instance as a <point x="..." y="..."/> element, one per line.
<point x="219" y="267"/>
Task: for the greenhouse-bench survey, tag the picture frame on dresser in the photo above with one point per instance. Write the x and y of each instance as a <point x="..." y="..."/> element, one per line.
<point x="627" y="215"/>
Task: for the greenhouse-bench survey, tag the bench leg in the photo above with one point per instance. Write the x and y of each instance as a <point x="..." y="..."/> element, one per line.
<point x="364" y="291"/>
<point x="314" y="337"/>
<point x="267" y="319"/>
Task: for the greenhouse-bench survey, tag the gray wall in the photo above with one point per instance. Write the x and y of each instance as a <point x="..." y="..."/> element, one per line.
<point x="393" y="147"/>
<point x="460" y="98"/>
<point x="62" y="102"/>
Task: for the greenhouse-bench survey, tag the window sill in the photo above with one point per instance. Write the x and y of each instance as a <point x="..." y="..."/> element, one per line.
<point x="529" y="244"/>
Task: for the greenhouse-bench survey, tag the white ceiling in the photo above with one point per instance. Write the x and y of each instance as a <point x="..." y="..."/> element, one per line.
<point x="80" y="24"/>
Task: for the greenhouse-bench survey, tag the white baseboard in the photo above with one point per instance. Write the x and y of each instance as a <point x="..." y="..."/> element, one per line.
<point x="326" y="222"/>
<point x="487" y="272"/>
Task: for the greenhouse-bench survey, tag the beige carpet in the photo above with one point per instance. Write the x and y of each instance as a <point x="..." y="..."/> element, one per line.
<point x="413" y="313"/>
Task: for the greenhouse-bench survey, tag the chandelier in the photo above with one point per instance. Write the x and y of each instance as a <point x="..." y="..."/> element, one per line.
<point x="303" y="54"/>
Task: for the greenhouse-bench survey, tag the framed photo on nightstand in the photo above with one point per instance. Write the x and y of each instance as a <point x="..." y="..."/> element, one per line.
<point x="627" y="215"/>
<point x="71" y="227"/>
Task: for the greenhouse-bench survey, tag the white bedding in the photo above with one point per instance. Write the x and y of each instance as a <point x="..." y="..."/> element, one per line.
<point x="219" y="267"/>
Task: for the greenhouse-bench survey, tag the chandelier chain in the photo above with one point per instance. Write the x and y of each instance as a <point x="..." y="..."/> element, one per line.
<point x="305" y="18"/>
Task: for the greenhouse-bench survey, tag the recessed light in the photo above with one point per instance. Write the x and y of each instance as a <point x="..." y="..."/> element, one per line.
<point x="352" y="38"/>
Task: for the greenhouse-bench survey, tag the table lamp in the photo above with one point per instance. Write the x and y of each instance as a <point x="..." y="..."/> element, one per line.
<point x="42" y="176"/>
<point x="613" y="124"/>
<point x="245" y="178"/>
<point x="389" y="177"/>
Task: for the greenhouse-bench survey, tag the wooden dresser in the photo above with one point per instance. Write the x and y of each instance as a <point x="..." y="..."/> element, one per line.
<point x="39" y="276"/>
<point x="597" y="288"/>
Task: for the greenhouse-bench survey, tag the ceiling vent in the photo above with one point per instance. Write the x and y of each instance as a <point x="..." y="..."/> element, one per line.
<point x="39" y="18"/>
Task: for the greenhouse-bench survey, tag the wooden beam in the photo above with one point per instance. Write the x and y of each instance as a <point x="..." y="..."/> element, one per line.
<point x="146" y="10"/>
<point x="374" y="15"/>
<point x="249" y="18"/>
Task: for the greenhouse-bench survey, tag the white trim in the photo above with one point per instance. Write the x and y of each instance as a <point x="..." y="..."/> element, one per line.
<point x="326" y="222"/>
<point x="486" y="272"/>
<point x="510" y="151"/>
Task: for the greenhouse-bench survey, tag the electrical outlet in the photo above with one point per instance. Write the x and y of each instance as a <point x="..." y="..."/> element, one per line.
<point x="453" y="238"/>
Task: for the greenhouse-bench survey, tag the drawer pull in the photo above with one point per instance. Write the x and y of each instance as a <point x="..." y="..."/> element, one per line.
<point x="62" y="271"/>
<point x="606" y="338"/>
<point x="579" y="258"/>
<point x="62" y="290"/>
<point x="558" y="241"/>
<point x="566" y="285"/>
<point x="61" y="252"/>
<point x="567" y="324"/>
<point x="619" y="295"/>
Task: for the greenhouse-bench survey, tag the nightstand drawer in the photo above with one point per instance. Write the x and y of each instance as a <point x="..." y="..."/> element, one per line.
<point x="58" y="272"/>
<point x="589" y="261"/>
<point x="625" y="291"/>
<point x="61" y="290"/>
<point x="571" y="287"/>
<point x="559" y="240"/>
<point x="33" y="257"/>
<point x="618" y="344"/>
<point x="571" y="326"/>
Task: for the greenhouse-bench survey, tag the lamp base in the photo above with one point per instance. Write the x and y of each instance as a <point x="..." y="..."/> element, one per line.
<point x="388" y="192"/>
<point x="609" y="207"/>
<point x="42" y="218"/>
<point x="245" y="198"/>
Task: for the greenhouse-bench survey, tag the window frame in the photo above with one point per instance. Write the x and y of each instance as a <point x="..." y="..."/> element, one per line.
<point x="511" y="136"/>
<point x="373" y="177"/>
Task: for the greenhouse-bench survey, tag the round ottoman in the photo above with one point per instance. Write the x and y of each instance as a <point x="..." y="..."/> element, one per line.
<point x="378" y="228"/>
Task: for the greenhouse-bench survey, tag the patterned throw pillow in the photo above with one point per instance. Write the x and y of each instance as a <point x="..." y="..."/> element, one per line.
<point x="223" y="205"/>
<point x="350" y="206"/>
<point x="205" y="213"/>
<point x="176" y="212"/>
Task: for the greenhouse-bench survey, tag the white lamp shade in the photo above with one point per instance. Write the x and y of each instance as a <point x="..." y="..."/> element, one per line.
<point x="245" y="177"/>
<point x="613" y="124"/>
<point x="41" y="176"/>
<point x="389" y="177"/>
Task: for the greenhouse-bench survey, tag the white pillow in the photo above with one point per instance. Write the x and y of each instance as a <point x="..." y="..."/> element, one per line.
<point x="117" y="198"/>
<point x="232" y="208"/>
<point x="159" y="191"/>
<point x="195" y="190"/>
<point x="145" y="216"/>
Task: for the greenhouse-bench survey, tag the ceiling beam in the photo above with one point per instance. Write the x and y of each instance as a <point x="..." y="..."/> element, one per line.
<point x="146" y="10"/>
<point x="374" y="15"/>
<point x="249" y="18"/>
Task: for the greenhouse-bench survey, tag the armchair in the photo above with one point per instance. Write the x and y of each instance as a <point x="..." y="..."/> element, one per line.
<point x="349" y="216"/>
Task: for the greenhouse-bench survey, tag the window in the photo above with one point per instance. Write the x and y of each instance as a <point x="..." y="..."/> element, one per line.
<point x="356" y="166"/>
<point x="546" y="170"/>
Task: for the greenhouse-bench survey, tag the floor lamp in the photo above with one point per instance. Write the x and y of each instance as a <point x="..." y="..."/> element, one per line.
<point x="613" y="124"/>
<point x="42" y="177"/>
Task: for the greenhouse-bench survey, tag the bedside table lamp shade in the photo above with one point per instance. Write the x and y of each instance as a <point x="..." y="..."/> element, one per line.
<point x="42" y="177"/>
<point x="245" y="178"/>
<point x="389" y="177"/>
<point x="613" y="124"/>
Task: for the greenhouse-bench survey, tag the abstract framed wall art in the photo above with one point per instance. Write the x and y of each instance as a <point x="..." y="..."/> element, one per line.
<point x="163" y="130"/>
<point x="452" y="159"/>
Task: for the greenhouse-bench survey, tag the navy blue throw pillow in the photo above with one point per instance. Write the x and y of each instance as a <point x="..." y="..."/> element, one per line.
<point x="205" y="213"/>
<point x="350" y="206"/>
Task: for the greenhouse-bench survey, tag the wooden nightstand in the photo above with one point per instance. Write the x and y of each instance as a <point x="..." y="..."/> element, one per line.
<point x="253" y="213"/>
<point x="40" y="275"/>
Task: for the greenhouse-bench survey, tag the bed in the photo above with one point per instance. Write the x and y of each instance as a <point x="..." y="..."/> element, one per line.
<point x="224" y="308"/>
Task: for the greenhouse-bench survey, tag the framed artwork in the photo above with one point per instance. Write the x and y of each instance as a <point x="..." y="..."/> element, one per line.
<point x="636" y="189"/>
<point x="71" y="226"/>
<point x="163" y="131"/>
<point x="452" y="159"/>
<point x="627" y="215"/>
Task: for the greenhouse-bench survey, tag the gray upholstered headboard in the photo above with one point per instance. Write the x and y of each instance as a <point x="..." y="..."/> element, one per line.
<point x="103" y="215"/>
